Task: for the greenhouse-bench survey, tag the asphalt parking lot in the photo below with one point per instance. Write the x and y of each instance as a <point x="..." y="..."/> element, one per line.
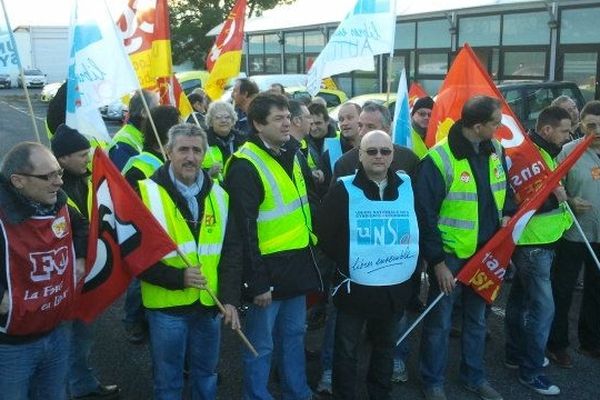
<point x="129" y="365"/>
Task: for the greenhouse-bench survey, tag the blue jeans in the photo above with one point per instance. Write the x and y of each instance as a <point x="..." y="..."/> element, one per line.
<point x="37" y="369"/>
<point x="288" y="318"/>
<point x="134" y="310"/>
<point x="173" y="336"/>
<point x="81" y="377"/>
<point x="529" y="310"/>
<point x="436" y="331"/>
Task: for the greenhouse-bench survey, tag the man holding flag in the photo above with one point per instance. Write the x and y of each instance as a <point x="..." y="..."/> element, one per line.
<point x="530" y="308"/>
<point x="182" y="317"/>
<point x="462" y="198"/>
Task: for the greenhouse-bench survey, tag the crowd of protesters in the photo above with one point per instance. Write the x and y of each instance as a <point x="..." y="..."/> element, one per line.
<point x="270" y="200"/>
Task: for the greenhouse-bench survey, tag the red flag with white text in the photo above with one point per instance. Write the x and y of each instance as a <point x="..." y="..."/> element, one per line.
<point x="125" y="239"/>
<point x="484" y="272"/>
<point x="467" y="78"/>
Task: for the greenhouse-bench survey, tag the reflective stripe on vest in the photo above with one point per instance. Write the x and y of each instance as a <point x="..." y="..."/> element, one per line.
<point x="284" y="220"/>
<point x="334" y="145"/>
<point x="204" y="250"/>
<point x="547" y="227"/>
<point x="458" y="220"/>
<point x="146" y="162"/>
<point x="88" y="200"/>
<point x="384" y="236"/>
<point x="130" y="135"/>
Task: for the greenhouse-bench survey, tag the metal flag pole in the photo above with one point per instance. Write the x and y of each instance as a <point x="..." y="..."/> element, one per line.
<point x="585" y="239"/>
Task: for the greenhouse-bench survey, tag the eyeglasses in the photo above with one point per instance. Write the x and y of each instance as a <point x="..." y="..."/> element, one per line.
<point x="223" y="117"/>
<point x="51" y="176"/>
<point x="384" y="151"/>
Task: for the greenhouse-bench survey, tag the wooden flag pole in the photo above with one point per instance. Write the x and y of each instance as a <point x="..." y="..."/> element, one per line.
<point x="35" y="128"/>
<point x="149" y="116"/>
<point x="221" y="308"/>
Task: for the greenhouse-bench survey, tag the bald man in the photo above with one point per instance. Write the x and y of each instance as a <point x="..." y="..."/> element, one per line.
<point x="375" y="258"/>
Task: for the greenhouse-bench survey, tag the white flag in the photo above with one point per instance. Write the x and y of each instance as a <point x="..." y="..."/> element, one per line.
<point x="9" y="58"/>
<point x="99" y="70"/>
<point x="368" y="30"/>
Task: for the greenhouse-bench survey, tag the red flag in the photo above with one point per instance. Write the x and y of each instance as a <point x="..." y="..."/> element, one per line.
<point x="415" y="93"/>
<point x="171" y="93"/>
<point x="225" y="57"/>
<point x="231" y="36"/>
<point x="467" y="78"/>
<point x="124" y="241"/>
<point x="484" y="272"/>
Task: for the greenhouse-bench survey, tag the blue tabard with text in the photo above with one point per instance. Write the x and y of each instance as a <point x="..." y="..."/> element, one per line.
<point x="384" y="236"/>
<point x="334" y="145"/>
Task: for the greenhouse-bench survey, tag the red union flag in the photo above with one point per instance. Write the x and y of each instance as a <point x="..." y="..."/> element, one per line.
<point x="467" y="78"/>
<point x="484" y="272"/>
<point x="124" y="240"/>
<point x="415" y="93"/>
<point x="225" y="57"/>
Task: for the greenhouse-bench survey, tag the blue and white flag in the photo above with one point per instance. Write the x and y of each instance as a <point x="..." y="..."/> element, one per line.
<point x="402" y="123"/>
<point x="368" y="30"/>
<point x="9" y="57"/>
<point x="99" y="70"/>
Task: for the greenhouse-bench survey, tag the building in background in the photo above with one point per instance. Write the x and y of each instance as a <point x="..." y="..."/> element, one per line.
<point x="514" y="39"/>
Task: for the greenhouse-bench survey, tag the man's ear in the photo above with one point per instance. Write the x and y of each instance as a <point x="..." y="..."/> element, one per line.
<point x="17" y="181"/>
<point x="257" y="126"/>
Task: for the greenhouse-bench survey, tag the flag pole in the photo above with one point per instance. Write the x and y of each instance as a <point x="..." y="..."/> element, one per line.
<point x="585" y="239"/>
<point x="35" y="128"/>
<point x="147" y="108"/>
<point x="221" y="307"/>
<point x="423" y="314"/>
<point x="14" y="44"/>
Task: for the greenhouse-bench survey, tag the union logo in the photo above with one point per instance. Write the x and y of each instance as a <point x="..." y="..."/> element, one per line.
<point x="59" y="227"/>
<point x="465" y="177"/>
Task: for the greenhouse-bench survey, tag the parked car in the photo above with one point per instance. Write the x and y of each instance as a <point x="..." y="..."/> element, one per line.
<point x="332" y="97"/>
<point x="5" y="81"/>
<point x="381" y="98"/>
<point x="49" y="91"/>
<point x="115" y="111"/>
<point x="190" y="80"/>
<point x="33" y="78"/>
<point x="528" y="98"/>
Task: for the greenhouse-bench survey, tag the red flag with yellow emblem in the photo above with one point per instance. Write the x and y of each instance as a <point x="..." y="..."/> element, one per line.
<point x="225" y="57"/>
<point x="467" y="78"/>
<point x="146" y="36"/>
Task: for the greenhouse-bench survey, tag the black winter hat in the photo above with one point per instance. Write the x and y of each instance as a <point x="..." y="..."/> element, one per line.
<point x="68" y="141"/>
<point x="423" y="102"/>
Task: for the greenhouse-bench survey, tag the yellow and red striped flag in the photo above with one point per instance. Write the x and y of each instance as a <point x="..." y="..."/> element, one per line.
<point x="223" y="61"/>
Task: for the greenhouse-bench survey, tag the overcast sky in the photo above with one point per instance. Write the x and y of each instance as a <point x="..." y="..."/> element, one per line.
<point x="48" y="12"/>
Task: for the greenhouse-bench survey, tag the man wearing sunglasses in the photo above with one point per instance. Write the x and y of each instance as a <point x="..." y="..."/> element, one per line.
<point x="462" y="199"/>
<point x="375" y="255"/>
<point x="42" y="242"/>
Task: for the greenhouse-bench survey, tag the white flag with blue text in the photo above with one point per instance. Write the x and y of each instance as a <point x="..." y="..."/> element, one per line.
<point x="368" y="30"/>
<point x="9" y="57"/>
<point x="99" y="70"/>
<point x="402" y="123"/>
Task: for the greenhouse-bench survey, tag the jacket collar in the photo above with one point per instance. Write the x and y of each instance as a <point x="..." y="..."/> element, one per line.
<point x="16" y="208"/>
<point x="550" y="148"/>
<point x="461" y="147"/>
<point x="371" y="189"/>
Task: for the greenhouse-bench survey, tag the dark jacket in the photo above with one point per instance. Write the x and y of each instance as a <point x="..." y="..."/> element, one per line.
<point x="227" y="145"/>
<point x="16" y="210"/>
<point x="76" y="187"/>
<point x="200" y="117"/>
<point x="430" y="192"/>
<point x="229" y="266"/>
<point x="333" y="231"/>
<point x="288" y="273"/>
<point x="404" y="160"/>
